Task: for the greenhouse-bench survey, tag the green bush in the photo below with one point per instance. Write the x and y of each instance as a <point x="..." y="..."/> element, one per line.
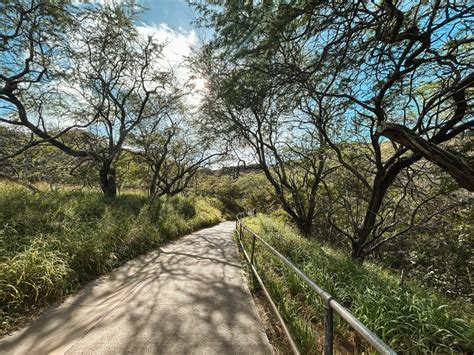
<point x="52" y="242"/>
<point x="231" y="194"/>
<point x="409" y="318"/>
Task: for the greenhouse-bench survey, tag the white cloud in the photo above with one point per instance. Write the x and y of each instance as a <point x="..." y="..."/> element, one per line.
<point x="178" y="46"/>
<point x="178" y="43"/>
<point x="100" y="2"/>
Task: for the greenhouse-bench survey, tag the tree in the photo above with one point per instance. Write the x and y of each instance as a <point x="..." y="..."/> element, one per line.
<point x="395" y="70"/>
<point x="172" y="153"/>
<point x="382" y="83"/>
<point x="106" y="81"/>
<point x="118" y="85"/>
<point x="259" y="115"/>
<point x="31" y="34"/>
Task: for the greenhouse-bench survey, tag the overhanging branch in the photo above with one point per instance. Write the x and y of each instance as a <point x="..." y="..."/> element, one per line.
<point x="452" y="164"/>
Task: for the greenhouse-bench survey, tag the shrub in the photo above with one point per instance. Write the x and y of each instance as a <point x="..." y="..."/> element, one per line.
<point x="52" y="242"/>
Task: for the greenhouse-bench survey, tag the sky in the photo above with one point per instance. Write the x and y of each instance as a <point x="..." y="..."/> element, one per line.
<point x="168" y="21"/>
<point x="176" y="14"/>
<point x="171" y="21"/>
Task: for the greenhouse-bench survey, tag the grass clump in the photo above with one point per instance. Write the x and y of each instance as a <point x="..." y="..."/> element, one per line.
<point x="409" y="318"/>
<point x="52" y="242"/>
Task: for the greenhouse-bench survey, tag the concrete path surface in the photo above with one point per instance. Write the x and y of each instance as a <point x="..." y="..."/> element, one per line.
<point x="187" y="297"/>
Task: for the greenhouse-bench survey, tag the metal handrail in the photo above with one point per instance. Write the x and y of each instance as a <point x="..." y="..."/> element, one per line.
<point x="330" y="304"/>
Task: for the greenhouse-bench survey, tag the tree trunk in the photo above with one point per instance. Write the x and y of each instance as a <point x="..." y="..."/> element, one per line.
<point x="383" y="180"/>
<point x="357" y="253"/>
<point x="108" y="181"/>
<point x="152" y="190"/>
<point x="152" y="187"/>
<point x="305" y="226"/>
<point x="380" y="186"/>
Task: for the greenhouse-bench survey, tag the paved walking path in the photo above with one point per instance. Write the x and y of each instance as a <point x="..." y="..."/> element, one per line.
<point x="188" y="297"/>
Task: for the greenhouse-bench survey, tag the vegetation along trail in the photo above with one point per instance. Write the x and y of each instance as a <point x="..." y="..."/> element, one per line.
<point x="186" y="296"/>
<point x="345" y="126"/>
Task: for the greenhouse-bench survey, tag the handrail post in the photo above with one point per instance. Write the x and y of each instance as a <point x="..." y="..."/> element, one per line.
<point x="237" y="230"/>
<point x="328" y="328"/>
<point x="253" y="249"/>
